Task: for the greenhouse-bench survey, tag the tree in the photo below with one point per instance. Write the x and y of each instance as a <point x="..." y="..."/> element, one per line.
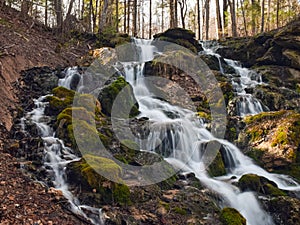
<point x="183" y="11"/>
<point x="207" y="12"/>
<point x="59" y="14"/>
<point x="150" y="19"/>
<point x="262" y="16"/>
<point x="135" y="18"/>
<point x="244" y="17"/>
<point x="117" y="16"/>
<point x="225" y="17"/>
<point x="172" y="13"/>
<point x="219" y="20"/>
<point x="199" y="19"/>
<point x="233" y="17"/>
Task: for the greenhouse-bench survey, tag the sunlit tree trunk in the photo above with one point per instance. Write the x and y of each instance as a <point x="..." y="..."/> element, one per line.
<point x="125" y="16"/>
<point x="46" y="13"/>
<point x="176" y="13"/>
<point x="268" y="15"/>
<point x="128" y="16"/>
<point x="103" y="16"/>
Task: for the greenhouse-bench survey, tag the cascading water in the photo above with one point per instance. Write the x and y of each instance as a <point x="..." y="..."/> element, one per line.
<point x="181" y="138"/>
<point x="57" y="155"/>
<point x="246" y="104"/>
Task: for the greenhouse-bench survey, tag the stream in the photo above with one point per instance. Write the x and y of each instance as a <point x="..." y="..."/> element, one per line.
<point x="185" y="138"/>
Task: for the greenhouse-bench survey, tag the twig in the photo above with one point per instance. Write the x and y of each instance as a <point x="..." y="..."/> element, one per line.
<point x="20" y="35"/>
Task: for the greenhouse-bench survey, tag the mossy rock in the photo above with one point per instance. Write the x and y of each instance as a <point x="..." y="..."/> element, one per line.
<point x="86" y="171"/>
<point x="230" y="216"/>
<point x="89" y="102"/>
<point x="217" y="167"/>
<point x="126" y="99"/>
<point x="61" y="99"/>
<point x="253" y="182"/>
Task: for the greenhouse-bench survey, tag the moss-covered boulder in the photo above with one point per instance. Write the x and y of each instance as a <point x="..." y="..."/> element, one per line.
<point x="61" y="99"/>
<point x="84" y="173"/>
<point x="253" y="182"/>
<point x="180" y="36"/>
<point x="273" y="140"/>
<point x="230" y="216"/>
<point x="217" y="167"/>
<point x="119" y="89"/>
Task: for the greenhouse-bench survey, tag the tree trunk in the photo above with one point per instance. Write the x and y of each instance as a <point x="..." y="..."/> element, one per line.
<point x="46" y="13"/>
<point x="233" y="17"/>
<point x="225" y="17"/>
<point x="162" y="16"/>
<point x="199" y="19"/>
<point x="244" y="18"/>
<point x="103" y="16"/>
<point x="176" y="13"/>
<point x="268" y="15"/>
<point x="172" y="14"/>
<point x="134" y="18"/>
<point x="277" y="13"/>
<point x="128" y="16"/>
<point x="125" y="15"/>
<point x="58" y="12"/>
<point x="253" y="23"/>
<point x="150" y="19"/>
<point x="219" y="20"/>
<point x="207" y="17"/>
<point x="2" y="3"/>
<point x="117" y="16"/>
<point x="183" y="10"/>
<point x="262" y="16"/>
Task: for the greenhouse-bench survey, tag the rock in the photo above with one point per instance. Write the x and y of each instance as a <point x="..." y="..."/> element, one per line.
<point x="272" y="139"/>
<point x="180" y="36"/>
<point x="284" y="210"/>
<point x="253" y="182"/>
<point x="230" y="216"/>
<point x="121" y="91"/>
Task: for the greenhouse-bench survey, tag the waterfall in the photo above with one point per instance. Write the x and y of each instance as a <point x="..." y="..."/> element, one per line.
<point x="246" y="104"/>
<point x="180" y="140"/>
<point x="57" y="156"/>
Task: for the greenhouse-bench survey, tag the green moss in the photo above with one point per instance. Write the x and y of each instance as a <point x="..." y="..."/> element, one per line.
<point x="78" y="113"/>
<point x="281" y="137"/>
<point x="89" y="168"/>
<point x="165" y="205"/>
<point x="298" y="88"/>
<point x="230" y="216"/>
<point x="256" y="155"/>
<point x="61" y="99"/>
<point x="217" y="167"/>
<point x="273" y="191"/>
<point x="109" y="94"/>
<point x="204" y="115"/>
<point x="264" y="116"/>
<point x="89" y="102"/>
<point x="180" y="211"/>
<point x="62" y="92"/>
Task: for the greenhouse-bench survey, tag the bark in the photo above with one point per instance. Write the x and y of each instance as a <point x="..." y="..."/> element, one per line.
<point x="134" y="18"/>
<point x="262" y="16"/>
<point x="225" y="17"/>
<point x="172" y="14"/>
<point x="199" y="19"/>
<point x="58" y="12"/>
<point x="150" y="20"/>
<point x="117" y="16"/>
<point x="244" y="18"/>
<point x="183" y="11"/>
<point x="233" y="17"/>
<point x="125" y="15"/>
<point x="46" y="13"/>
<point x="219" y="20"/>
<point x="207" y="11"/>
<point x="277" y="13"/>
<point x="103" y="16"/>
<point x="176" y="13"/>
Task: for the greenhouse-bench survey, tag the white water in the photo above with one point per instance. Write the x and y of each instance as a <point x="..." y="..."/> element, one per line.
<point x="180" y="139"/>
<point x="246" y="103"/>
<point x="57" y="156"/>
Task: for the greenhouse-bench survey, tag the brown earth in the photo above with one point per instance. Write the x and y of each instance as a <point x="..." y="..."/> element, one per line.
<point x="25" y="44"/>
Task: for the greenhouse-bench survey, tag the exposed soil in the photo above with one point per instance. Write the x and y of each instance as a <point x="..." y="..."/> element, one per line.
<point x="25" y="44"/>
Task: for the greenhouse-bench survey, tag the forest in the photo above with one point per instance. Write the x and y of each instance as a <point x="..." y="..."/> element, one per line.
<point x="209" y="19"/>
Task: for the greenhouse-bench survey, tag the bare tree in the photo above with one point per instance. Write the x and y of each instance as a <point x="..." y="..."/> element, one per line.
<point x="277" y="13"/>
<point x="262" y="16"/>
<point x="233" y="17"/>
<point x="150" y="19"/>
<point x="199" y="19"/>
<point x="183" y="11"/>
<point x="207" y="12"/>
<point x="219" y="20"/>
<point x="172" y="13"/>
<point x="125" y="15"/>
<point x="225" y="17"/>
<point x="59" y="14"/>
<point x="117" y="16"/>
<point x="134" y="18"/>
<point x="244" y="17"/>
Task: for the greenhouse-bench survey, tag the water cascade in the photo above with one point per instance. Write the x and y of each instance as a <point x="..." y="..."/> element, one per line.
<point x="247" y="79"/>
<point x="57" y="155"/>
<point x="182" y="137"/>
